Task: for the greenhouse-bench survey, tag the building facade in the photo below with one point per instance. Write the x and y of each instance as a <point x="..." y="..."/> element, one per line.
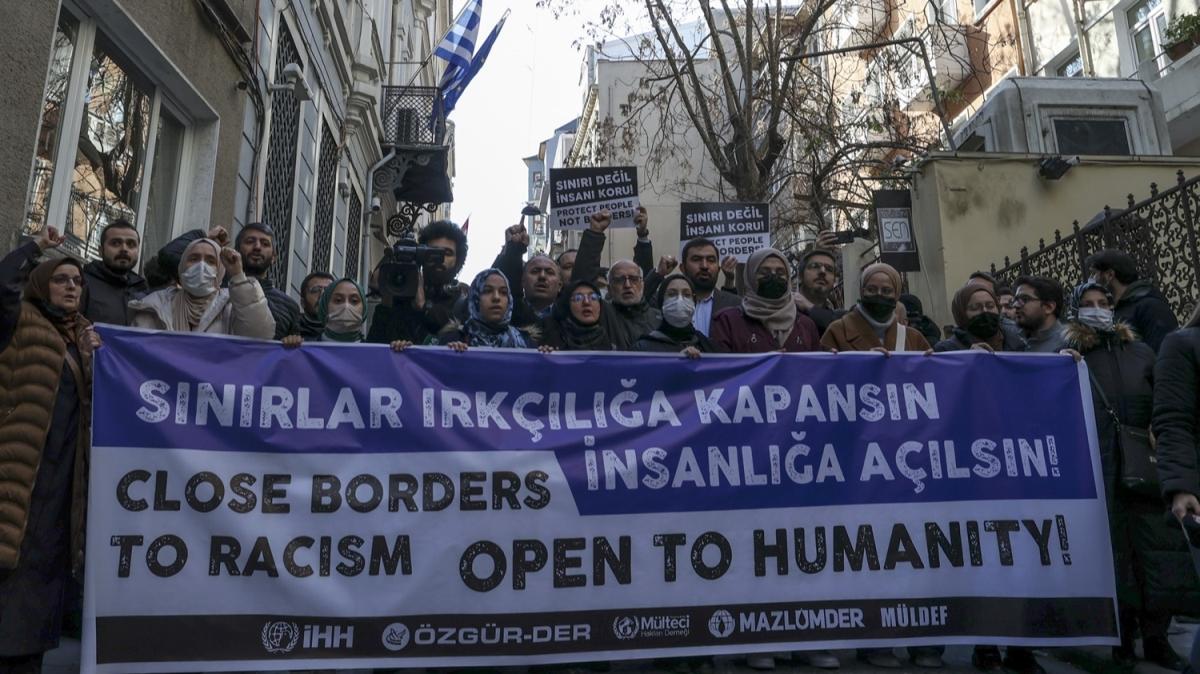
<point x="185" y="115"/>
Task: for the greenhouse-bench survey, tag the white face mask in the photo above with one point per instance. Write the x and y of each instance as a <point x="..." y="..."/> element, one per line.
<point x="199" y="280"/>
<point x="345" y="318"/>
<point x="1097" y="318"/>
<point x="678" y="311"/>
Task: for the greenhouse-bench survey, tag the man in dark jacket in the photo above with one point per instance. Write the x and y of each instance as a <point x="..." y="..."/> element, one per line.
<point x="256" y="243"/>
<point x="918" y="320"/>
<point x="111" y="281"/>
<point x="818" y="276"/>
<point x="631" y="316"/>
<point x="311" y="289"/>
<point x="1139" y="303"/>
<point x="701" y="264"/>
<point x="534" y="284"/>
<point x="420" y="319"/>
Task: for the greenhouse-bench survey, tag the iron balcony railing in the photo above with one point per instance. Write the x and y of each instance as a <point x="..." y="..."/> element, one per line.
<point x="414" y="117"/>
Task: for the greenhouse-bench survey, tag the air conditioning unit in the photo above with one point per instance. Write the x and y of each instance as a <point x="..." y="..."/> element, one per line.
<point x="1068" y="116"/>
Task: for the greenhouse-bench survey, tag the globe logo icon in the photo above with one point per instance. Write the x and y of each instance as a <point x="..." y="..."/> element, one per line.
<point x="280" y="637"/>
<point x="721" y="624"/>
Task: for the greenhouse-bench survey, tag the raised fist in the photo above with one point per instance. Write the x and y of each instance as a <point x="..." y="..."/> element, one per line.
<point x="50" y="238"/>
<point x="599" y="222"/>
<point x="517" y="234"/>
<point x="232" y="261"/>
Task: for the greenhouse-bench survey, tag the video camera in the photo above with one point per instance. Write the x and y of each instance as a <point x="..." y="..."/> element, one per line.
<point x="399" y="273"/>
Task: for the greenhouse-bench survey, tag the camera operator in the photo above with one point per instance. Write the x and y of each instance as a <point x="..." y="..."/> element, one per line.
<point x="419" y="285"/>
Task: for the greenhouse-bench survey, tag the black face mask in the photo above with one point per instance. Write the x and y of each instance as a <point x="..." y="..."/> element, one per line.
<point x="773" y="287"/>
<point x="984" y="326"/>
<point x="878" y="307"/>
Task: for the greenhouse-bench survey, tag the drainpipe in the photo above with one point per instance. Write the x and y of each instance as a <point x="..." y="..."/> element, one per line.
<point x="365" y="234"/>
<point x="1025" y="38"/>
<point x="1085" y="43"/>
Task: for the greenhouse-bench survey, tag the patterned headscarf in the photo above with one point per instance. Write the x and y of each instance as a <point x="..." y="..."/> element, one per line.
<point x="501" y="335"/>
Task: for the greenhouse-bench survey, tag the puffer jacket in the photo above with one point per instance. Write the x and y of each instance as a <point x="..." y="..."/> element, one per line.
<point x="1145" y="309"/>
<point x="962" y="340"/>
<point x="241" y="310"/>
<point x="1151" y="560"/>
<point x="1177" y="412"/>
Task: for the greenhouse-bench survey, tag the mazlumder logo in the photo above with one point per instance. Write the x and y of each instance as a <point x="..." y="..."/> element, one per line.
<point x="721" y="624"/>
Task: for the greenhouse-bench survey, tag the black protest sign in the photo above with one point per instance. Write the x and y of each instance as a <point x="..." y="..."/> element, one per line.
<point x="576" y="193"/>
<point x="736" y="229"/>
<point x="897" y="241"/>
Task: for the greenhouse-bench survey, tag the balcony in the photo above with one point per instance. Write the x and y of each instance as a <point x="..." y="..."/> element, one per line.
<point x="862" y="22"/>
<point x="414" y="126"/>
<point x="1178" y="83"/>
<point x="950" y="60"/>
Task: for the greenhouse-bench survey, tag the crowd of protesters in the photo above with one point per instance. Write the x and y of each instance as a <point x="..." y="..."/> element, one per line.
<point x="1144" y="371"/>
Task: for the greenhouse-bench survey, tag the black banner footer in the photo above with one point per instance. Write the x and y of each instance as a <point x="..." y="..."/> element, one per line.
<point x="199" y="638"/>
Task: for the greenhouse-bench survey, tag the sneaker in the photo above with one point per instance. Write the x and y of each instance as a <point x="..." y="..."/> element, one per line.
<point x="763" y="663"/>
<point x="818" y="659"/>
<point x="987" y="659"/>
<point x="879" y="657"/>
<point x="1158" y="650"/>
<point x="1022" y="661"/>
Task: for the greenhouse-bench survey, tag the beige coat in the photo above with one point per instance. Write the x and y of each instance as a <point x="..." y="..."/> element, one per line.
<point x="241" y="310"/>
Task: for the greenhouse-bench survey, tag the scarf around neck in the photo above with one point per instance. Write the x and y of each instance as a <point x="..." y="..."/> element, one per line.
<point x="779" y="314"/>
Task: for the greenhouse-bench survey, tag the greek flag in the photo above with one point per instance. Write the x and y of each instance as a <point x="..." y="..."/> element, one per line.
<point x="451" y="94"/>
<point x="458" y="48"/>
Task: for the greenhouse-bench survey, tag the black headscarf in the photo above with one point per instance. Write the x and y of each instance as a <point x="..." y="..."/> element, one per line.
<point x="575" y="335"/>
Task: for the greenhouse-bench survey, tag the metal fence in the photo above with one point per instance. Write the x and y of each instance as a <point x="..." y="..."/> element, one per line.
<point x="1158" y="232"/>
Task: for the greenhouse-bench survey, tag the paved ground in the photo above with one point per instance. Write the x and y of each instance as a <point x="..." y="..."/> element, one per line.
<point x="65" y="660"/>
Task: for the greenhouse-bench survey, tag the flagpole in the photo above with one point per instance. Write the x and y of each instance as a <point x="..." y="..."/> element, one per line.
<point x="435" y="44"/>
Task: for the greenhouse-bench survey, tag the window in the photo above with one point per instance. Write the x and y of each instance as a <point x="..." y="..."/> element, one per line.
<point x="1072" y="67"/>
<point x="1092" y="136"/>
<point x="100" y="111"/>
<point x="981" y="6"/>
<point x="943" y="12"/>
<point x="1148" y="30"/>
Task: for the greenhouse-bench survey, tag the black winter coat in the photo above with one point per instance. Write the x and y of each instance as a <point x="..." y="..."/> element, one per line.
<point x="108" y="294"/>
<point x="284" y="309"/>
<point x="1177" y="412"/>
<point x="962" y="340"/>
<point x="1145" y="309"/>
<point x="1150" y="555"/>
<point x="659" y="342"/>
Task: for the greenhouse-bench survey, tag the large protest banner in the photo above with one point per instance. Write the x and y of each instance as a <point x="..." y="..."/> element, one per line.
<point x="736" y="229"/>
<point x="576" y="193"/>
<point x="254" y="507"/>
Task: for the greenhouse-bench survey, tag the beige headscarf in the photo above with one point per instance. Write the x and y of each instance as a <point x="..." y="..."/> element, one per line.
<point x="188" y="310"/>
<point x="779" y="315"/>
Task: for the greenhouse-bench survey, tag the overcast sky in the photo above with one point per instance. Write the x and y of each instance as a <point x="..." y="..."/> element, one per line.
<point x="529" y="86"/>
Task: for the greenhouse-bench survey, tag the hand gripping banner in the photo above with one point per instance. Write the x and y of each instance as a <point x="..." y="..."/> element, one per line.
<point x="253" y="507"/>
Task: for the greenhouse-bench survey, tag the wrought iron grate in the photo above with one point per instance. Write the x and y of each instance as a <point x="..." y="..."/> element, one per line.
<point x="1160" y="233"/>
<point x="353" y="236"/>
<point x="281" y="160"/>
<point x="413" y="116"/>
<point x="326" y="188"/>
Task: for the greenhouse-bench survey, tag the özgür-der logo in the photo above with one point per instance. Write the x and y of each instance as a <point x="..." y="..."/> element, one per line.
<point x="395" y="637"/>
<point x="280" y="637"/>
<point x="721" y="624"/>
<point x="625" y="627"/>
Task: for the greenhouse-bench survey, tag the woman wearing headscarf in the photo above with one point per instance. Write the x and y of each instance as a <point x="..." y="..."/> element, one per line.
<point x="578" y="321"/>
<point x="875" y="321"/>
<point x="1150" y="558"/>
<point x="490" y="307"/>
<point x="676" y="301"/>
<point x="339" y="313"/>
<point x="46" y="350"/>
<point x="978" y="324"/>
<point x="768" y="319"/>
<point x="200" y="304"/>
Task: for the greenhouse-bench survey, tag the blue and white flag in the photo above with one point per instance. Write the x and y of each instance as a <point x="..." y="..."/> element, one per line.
<point x="458" y="46"/>
<point x="452" y="88"/>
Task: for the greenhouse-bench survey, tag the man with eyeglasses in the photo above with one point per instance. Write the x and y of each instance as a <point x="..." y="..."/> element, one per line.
<point x="1038" y="303"/>
<point x="818" y="276"/>
<point x="311" y="289"/>
<point x="627" y="314"/>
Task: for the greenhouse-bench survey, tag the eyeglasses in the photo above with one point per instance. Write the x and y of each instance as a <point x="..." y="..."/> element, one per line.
<point x="626" y="280"/>
<point x="579" y="298"/>
<point x="1019" y="300"/>
<point x="820" y="266"/>
<point x="67" y="279"/>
